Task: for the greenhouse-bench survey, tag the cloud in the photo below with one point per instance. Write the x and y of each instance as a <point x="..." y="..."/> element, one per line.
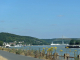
<point x="60" y="15"/>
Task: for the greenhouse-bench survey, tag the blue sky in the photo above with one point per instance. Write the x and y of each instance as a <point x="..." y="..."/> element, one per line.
<point x="41" y="18"/>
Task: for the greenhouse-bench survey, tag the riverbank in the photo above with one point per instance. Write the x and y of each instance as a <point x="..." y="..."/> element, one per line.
<point x="49" y="53"/>
<point x="38" y="54"/>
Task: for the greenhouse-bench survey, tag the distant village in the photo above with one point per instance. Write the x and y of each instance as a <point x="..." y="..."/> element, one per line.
<point x="15" y="44"/>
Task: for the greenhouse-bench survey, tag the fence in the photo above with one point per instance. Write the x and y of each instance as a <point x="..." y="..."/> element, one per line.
<point x="55" y="56"/>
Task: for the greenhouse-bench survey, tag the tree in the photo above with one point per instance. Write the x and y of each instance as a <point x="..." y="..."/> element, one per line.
<point x="1" y="43"/>
<point x="77" y="42"/>
<point x="72" y="42"/>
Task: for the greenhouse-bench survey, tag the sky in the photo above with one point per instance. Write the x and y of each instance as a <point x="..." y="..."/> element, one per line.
<point x="43" y="19"/>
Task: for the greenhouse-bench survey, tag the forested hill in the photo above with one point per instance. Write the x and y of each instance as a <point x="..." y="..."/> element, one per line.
<point x="66" y="41"/>
<point x="8" y="37"/>
<point x="58" y="40"/>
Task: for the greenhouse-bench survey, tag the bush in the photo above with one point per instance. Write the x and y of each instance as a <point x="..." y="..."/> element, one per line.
<point x="18" y="51"/>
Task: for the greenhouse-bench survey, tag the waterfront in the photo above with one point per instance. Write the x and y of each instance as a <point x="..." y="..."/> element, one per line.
<point x="70" y="51"/>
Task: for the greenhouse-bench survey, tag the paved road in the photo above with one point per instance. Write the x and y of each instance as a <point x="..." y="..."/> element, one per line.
<point x="11" y="56"/>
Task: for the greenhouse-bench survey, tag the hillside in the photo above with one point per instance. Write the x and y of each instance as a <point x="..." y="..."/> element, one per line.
<point x="8" y="37"/>
<point x="66" y="41"/>
<point x="58" y="40"/>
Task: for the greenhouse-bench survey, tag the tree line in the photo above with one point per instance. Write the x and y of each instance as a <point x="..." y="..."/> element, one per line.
<point x="8" y="37"/>
<point x="74" y="42"/>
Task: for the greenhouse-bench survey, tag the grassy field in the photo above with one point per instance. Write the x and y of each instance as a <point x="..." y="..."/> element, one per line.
<point x="2" y="58"/>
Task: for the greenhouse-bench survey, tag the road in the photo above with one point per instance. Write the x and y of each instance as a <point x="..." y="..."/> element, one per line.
<point x="11" y="56"/>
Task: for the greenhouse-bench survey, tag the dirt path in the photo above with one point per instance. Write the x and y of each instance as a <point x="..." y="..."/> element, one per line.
<point x="2" y="58"/>
<point x="11" y="56"/>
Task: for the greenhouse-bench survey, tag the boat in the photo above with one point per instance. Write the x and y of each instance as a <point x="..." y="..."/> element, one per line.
<point x="59" y="44"/>
<point x="54" y="44"/>
<point x="73" y="46"/>
<point x="17" y="46"/>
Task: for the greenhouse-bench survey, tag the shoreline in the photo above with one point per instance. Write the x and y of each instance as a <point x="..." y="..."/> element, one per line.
<point x="35" y="54"/>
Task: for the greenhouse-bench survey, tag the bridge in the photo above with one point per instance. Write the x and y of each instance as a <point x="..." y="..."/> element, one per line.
<point x="63" y="39"/>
